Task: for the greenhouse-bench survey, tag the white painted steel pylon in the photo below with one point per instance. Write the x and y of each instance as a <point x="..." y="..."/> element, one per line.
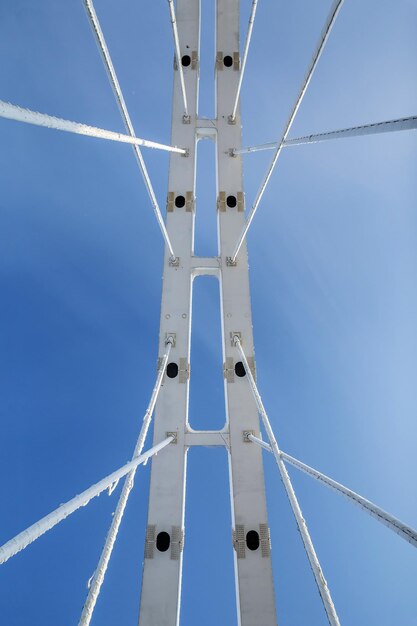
<point x="173" y="436"/>
<point x="165" y="530"/>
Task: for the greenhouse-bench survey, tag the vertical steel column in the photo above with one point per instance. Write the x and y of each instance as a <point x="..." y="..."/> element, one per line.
<point x="161" y="582"/>
<point x="253" y="571"/>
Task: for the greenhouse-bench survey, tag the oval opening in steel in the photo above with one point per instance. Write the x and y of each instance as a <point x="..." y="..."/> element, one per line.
<point x="252" y="540"/>
<point x="240" y="369"/>
<point x="163" y="541"/>
<point x="172" y="370"/>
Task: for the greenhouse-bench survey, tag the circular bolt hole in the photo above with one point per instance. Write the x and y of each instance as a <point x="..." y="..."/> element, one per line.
<point x="231" y="201"/>
<point x="180" y="202"/>
<point x="240" y="369"/>
<point x="252" y="540"/>
<point x="163" y="541"/>
<point x="186" y="60"/>
<point x="172" y="370"/>
<point x="228" y="61"/>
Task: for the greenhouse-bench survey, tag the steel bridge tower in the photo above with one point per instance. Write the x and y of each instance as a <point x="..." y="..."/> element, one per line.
<point x="173" y="435"/>
<point x="165" y="530"/>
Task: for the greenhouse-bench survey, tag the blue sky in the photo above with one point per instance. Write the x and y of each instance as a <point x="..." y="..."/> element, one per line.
<point x="333" y="273"/>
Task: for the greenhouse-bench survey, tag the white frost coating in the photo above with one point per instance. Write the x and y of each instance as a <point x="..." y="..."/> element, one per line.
<point x="376" y="128"/>
<point x="335" y="8"/>
<point x="23" y="539"/>
<point x="401" y="529"/>
<point x="101" y="42"/>
<point x="245" y="56"/>
<point x="178" y="53"/>
<point x="302" y="526"/>
<point x="98" y="577"/>
<point x="20" y="114"/>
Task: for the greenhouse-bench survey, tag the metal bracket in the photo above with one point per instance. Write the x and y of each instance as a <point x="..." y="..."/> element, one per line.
<point x="231" y="120"/>
<point x="234" y="334"/>
<point x="186" y="119"/>
<point x="174" y="338"/>
<point x="174" y="262"/>
<point x="230" y="262"/>
<point x="172" y="434"/>
<point x="246" y="434"/>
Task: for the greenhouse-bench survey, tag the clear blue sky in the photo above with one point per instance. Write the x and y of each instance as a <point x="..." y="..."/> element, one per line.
<point x="333" y="260"/>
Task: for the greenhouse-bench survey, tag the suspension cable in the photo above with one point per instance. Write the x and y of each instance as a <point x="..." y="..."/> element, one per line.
<point x="302" y="526"/>
<point x="99" y="574"/>
<point x="26" y="537"/>
<point x="336" y="6"/>
<point x="396" y="525"/>
<point x="376" y="128"/>
<point x="21" y="114"/>
<point x="244" y="58"/>
<point x="101" y="42"/>
<point x="178" y="54"/>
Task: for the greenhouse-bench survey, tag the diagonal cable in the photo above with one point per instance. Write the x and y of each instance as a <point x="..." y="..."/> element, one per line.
<point x="331" y="18"/>
<point x="99" y="574"/>
<point x="393" y="523"/>
<point x="178" y="54"/>
<point x="301" y="523"/>
<point x="375" y="128"/>
<point x="28" y="536"/>
<point x="244" y="58"/>
<point x="101" y="42"/>
<point x="20" y="114"/>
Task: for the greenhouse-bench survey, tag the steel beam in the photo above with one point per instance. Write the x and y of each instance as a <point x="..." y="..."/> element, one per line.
<point x="161" y="580"/>
<point x="253" y="571"/>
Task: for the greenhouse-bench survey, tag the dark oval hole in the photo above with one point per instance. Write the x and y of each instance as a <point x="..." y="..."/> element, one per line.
<point x="180" y="202"/>
<point x="252" y="540"/>
<point x="163" y="540"/>
<point x="228" y="61"/>
<point x="240" y="369"/>
<point x="172" y="370"/>
<point x="231" y="201"/>
<point x="186" y="60"/>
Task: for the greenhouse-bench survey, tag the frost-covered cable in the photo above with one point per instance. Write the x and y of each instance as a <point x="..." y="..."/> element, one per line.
<point x="376" y="128"/>
<point x="98" y="577"/>
<point x="245" y="56"/>
<point x="26" y="537"/>
<point x="178" y="53"/>
<point x="101" y="42"/>
<point x="301" y="523"/>
<point x="335" y="8"/>
<point x="20" y="114"/>
<point x="396" y="525"/>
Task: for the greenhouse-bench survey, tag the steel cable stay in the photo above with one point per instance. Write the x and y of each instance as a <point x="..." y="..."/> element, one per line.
<point x="178" y="57"/>
<point x="375" y="128"/>
<point x="393" y="523"/>
<point x="301" y="523"/>
<point x="21" y="114"/>
<point x="331" y="18"/>
<point x="244" y="59"/>
<point x="98" y="577"/>
<point x="28" y="536"/>
<point x="101" y="42"/>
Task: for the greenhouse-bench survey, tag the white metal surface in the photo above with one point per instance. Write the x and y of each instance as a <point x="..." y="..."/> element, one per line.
<point x="100" y="572"/>
<point x="161" y="580"/>
<point x="331" y="18"/>
<point x="301" y="523"/>
<point x="244" y="57"/>
<point x="253" y="568"/>
<point x="19" y="114"/>
<point x="178" y="54"/>
<point x="28" y="536"/>
<point x="111" y="72"/>
<point x="393" y="523"/>
<point x="391" y="126"/>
